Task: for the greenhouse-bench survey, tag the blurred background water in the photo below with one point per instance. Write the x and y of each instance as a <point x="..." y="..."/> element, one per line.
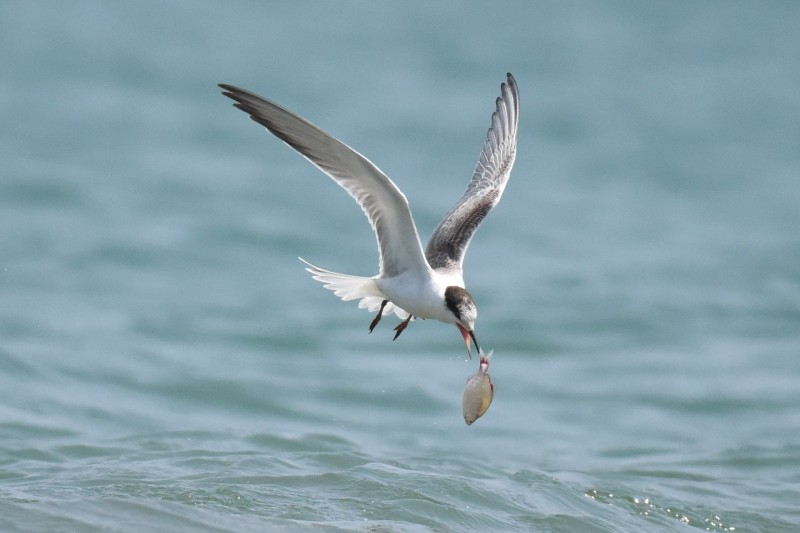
<point x="166" y="364"/>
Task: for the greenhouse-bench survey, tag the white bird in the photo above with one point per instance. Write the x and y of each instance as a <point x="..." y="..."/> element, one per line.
<point x="412" y="282"/>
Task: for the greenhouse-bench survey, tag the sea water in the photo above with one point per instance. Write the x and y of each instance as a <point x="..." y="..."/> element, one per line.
<point x="166" y="364"/>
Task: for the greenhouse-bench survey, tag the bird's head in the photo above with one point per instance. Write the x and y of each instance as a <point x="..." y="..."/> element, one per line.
<point x="460" y="303"/>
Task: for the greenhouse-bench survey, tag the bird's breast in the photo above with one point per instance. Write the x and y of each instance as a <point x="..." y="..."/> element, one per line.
<point x="421" y="296"/>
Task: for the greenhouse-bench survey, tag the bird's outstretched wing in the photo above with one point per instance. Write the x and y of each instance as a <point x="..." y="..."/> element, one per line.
<point x="385" y="205"/>
<point x="449" y="241"/>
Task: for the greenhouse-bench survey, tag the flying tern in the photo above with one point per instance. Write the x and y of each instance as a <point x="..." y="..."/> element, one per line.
<point x="412" y="282"/>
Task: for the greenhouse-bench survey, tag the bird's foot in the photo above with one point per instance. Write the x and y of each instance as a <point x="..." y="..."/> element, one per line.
<point x="399" y="328"/>
<point x="378" y="316"/>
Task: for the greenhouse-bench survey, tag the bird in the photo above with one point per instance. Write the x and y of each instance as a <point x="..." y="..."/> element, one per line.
<point x="412" y="282"/>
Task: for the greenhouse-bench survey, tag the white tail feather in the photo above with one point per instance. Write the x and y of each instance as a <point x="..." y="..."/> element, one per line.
<point x="348" y="287"/>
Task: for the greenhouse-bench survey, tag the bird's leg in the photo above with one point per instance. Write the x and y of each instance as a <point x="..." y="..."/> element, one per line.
<point x="378" y="317"/>
<point x="399" y="328"/>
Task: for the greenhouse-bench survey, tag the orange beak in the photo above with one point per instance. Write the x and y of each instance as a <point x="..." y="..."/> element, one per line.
<point x="468" y="336"/>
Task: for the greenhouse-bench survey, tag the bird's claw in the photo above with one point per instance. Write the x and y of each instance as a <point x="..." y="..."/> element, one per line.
<point x="399" y="328"/>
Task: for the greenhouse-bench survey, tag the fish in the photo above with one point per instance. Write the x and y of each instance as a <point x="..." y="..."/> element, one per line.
<point x="478" y="392"/>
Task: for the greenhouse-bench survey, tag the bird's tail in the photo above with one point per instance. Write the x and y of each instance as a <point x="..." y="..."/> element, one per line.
<point x="349" y="287"/>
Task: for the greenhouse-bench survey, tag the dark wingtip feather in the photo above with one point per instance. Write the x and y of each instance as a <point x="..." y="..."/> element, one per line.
<point x="237" y="94"/>
<point x="228" y="90"/>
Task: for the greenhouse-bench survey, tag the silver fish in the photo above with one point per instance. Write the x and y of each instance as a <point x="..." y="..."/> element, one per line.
<point x="479" y="391"/>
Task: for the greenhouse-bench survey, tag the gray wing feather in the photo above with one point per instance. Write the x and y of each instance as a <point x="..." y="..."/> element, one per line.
<point x="384" y="204"/>
<point x="449" y="241"/>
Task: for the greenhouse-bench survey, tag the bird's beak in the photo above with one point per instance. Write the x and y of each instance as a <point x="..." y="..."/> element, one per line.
<point x="469" y="336"/>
